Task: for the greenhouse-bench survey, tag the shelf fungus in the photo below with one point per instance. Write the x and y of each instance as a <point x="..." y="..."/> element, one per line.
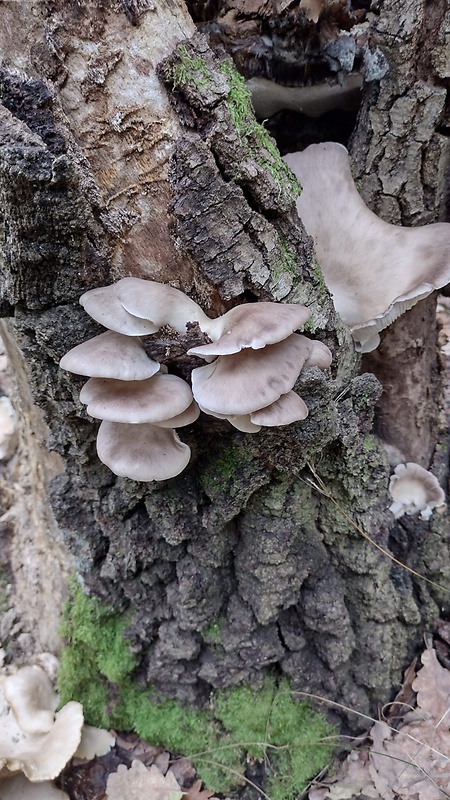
<point x="375" y="271"/>
<point x="415" y="491"/>
<point x="254" y="358"/>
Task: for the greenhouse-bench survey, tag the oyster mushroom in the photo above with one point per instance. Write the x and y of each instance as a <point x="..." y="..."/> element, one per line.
<point x="160" y="303"/>
<point x="155" y="399"/>
<point x="375" y="271"/>
<point x="104" y="306"/>
<point x="141" y="452"/>
<point x="415" y="490"/>
<point x="110" y="355"/>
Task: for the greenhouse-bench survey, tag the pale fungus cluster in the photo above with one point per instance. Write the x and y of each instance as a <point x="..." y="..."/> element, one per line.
<point x="253" y="361"/>
<point x="415" y="491"/>
<point x="36" y="741"/>
<point x="375" y="271"/>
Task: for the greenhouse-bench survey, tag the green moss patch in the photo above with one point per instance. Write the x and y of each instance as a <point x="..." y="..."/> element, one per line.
<point x="240" y="724"/>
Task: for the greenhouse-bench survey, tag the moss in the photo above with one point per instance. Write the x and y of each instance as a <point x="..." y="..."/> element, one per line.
<point x="223" y="470"/>
<point x="213" y="632"/>
<point x="243" y="118"/>
<point x="188" y="70"/>
<point x="96" y="669"/>
<point x="287" y="261"/>
<point x="369" y="444"/>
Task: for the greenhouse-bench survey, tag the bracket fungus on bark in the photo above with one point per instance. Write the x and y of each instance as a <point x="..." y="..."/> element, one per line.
<point x="375" y="271"/>
<point x="415" y="490"/>
<point x="257" y="359"/>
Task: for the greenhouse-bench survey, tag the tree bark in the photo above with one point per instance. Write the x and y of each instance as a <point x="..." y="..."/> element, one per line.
<point x="101" y="176"/>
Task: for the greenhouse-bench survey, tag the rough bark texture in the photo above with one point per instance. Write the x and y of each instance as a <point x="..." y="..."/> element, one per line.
<point x="243" y="537"/>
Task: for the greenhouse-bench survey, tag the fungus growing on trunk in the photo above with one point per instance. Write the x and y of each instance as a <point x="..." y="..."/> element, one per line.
<point x="141" y="452"/>
<point x="110" y="355"/>
<point x="104" y="306"/>
<point x="375" y="271"/>
<point x="415" y="490"/>
<point x="160" y="303"/>
<point x="252" y="325"/>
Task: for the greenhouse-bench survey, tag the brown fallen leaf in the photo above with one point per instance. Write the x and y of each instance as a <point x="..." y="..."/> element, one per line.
<point x="197" y="793"/>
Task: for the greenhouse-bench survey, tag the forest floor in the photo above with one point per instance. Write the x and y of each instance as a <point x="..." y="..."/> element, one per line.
<point x="404" y="756"/>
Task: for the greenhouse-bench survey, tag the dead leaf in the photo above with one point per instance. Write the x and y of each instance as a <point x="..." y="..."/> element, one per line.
<point x="197" y="793"/>
<point x="141" y="782"/>
<point x="312" y="9"/>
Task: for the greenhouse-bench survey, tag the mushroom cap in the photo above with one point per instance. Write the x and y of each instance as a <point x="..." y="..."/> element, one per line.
<point x="33" y="701"/>
<point x="252" y="325"/>
<point x="288" y="408"/>
<point x="110" y="355"/>
<point x="94" y="742"/>
<point x="41" y="757"/>
<point x="104" y="306"/>
<point x="141" y="452"/>
<point x="152" y="400"/>
<point x="251" y="379"/>
<point x="414" y="490"/>
<point x="159" y="302"/>
<point x="320" y="355"/>
<point x="186" y="417"/>
<point x="139" y="782"/>
<point x="20" y="788"/>
<point x="374" y="270"/>
<point x="242" y="421"/>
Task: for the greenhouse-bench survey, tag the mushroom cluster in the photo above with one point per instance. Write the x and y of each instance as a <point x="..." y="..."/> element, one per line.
<point x="415" y="490"/>
<point x="375" y="271"/>
<point x="258" y="358"/>
<point x="35" y="740"/>
<point x="254" y="358"/>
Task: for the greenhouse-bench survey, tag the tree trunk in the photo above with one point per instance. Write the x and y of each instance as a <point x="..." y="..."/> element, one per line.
<point x="108" y="170"/>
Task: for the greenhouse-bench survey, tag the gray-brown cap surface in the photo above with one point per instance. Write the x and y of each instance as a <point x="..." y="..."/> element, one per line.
<point x="104" y="306"/>
<point x="155" y="399"/>
<point x="251" y="379"/>
<point x="141" y="452"/>
<point x="110" y="355"/>
<point x="374" y="270"/>
<point x="159" y="302"/>
<point x="253" y="325"/>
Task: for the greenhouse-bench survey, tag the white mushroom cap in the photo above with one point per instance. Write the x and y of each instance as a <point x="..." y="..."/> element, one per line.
<point x="33" y="701"/>
<point x="103" y="305"/>
<point x="110" y="355"/>
<point x="160" y="303"/>
<point x="20" y="788"/>
<point x="41" y="757"/>
<point x="9" y="438"/>
<point x="94" y="742"/>
<point x="141" y="452"/>
<point x="252" y="325"/>
<point x="153" y="400"/>
<point x="251" y="379"/>
<point x="414" y="490"/>
<point x="141" y="782"/>
<point x="288" y="408"/>
<point x="375" y="271"/>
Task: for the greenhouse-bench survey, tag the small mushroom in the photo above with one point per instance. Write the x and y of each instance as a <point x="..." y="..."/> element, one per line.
<point x="104" y="306"/>
<point x="253" y="325"/>
<point x="9" y="439"/>
<point x="415" y="490"/>
<point x="251" y="379"/>
<point x="160" y="303"/>
<point x="33" y="701"/>
<point x="375" y="271"/>
<point x="40" y="757"/>
<point x="153" y="400"/>
<point x="110" y="355"/>
<point x="94" y="742"/>
<point x="186" y="417"/>
<point x="141" y="452"/>
<point x="287" y="409"/>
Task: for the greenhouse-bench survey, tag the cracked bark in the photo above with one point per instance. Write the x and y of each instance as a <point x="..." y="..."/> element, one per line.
<point x="100" y="177"/>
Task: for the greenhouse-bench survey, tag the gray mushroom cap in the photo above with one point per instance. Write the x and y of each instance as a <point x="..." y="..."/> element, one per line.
<point x="287" y="409"/>
<point x="153" y="400"/>
<point x="141" y="452"/>
<point x="253" y="325"/>
<point x="375" y="271"/>
<point x="110" y="355"/>
<point x="251" y="379"/>
<point x="160" y="303"/>
<point x="104" y="306"/>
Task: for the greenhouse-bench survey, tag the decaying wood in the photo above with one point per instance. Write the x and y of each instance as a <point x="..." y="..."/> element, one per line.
<point x="114" y="179"/>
